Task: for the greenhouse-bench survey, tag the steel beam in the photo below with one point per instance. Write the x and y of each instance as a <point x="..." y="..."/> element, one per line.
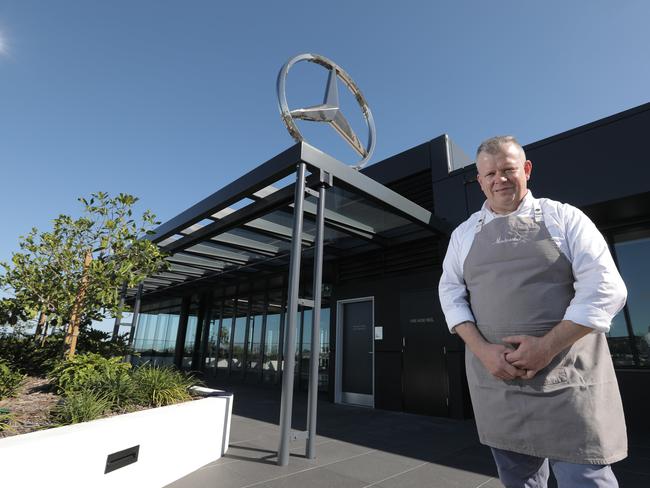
<point x="264" y="175"/>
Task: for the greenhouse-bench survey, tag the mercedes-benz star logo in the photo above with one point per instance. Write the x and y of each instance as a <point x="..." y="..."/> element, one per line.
<point x="329" y="111"/>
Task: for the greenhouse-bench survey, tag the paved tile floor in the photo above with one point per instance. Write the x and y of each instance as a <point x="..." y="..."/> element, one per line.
<point x="358" y="448"/>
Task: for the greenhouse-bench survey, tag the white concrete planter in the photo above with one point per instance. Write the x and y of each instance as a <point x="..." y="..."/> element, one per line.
<point x="173" y="441"/>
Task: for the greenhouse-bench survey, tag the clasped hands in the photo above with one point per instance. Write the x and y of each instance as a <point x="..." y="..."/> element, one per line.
<point x="524" y="359"/>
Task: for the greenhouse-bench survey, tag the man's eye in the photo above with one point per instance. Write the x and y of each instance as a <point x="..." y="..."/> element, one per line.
<point x="490" y="173"/>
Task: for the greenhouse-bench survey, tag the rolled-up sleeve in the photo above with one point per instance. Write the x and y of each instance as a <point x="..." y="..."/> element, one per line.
<point x="600" y="292"/>
<point x="452" y="290"/>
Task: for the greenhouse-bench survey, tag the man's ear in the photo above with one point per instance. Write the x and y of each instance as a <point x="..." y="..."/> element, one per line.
<point x="528" y="168"/>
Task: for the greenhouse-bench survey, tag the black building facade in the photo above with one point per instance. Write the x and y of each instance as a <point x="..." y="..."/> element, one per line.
<point x="220" y="309"/>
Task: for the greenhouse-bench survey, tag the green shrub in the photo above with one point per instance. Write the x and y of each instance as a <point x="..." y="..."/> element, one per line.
<point x="27" y="356"/>
<point x="116" y="386"/>
<point x="7" y="418"/>
<point x="159" y="386"/>
<point x="83" y="370"/>
<point x="100" y="342"/>
<point x="10" y="381"/>
<point x="80" y="406"/>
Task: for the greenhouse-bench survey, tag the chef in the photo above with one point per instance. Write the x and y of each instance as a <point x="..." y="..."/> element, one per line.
<point x="531" y="287"/>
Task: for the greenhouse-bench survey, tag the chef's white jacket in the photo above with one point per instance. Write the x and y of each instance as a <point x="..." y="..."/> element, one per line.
<point x="599" y="289"/>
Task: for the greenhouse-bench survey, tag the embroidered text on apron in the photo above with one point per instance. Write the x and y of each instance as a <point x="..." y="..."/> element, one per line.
<point x="520" y="283"/>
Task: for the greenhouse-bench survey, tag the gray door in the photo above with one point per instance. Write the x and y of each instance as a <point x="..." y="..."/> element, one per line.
<point x="424" y="374"/>
<point x="355" y="352"/>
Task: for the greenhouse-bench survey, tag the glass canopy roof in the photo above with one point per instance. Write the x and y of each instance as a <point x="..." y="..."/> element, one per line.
<point x="246" y="227"/>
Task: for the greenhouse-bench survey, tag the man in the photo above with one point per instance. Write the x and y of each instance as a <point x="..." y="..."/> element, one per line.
<point x="530" y="286"/>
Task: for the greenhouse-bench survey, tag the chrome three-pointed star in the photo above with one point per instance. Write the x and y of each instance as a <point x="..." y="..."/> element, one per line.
<point x="330" y="112"/>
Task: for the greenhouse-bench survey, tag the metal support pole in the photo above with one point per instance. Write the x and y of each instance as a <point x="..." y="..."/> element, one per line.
<point x="118" y="318"/>
<point x="286" y="404"/>
<point x="314" y="359"/>
<point x="136" y="313"/>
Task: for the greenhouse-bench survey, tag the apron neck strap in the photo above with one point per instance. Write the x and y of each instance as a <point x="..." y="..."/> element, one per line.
<point x="537" y="212"/>
<point x="479" y="222"/>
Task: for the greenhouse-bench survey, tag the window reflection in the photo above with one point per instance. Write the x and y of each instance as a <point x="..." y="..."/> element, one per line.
<point x="305" y="350"/>
<point x="271" y="347"/>
<point x="225" y="335"/>
<point x="632" y="251"/>
<point x="239" y="335"/>
<point x="211" y="348"/>
<point x="254" y="347"/>
<point x="619" y="342"/>
<point x="190" y="334"/>
<point x="155" y="335"/>
<point x="244" y="335"/>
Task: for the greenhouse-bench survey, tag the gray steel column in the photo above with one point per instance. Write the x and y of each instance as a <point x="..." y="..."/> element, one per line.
<point x="118" y="318"/>
<point x="136" y="313"/>
<point x="312" y="402"/>
<point x="292" y="310"/>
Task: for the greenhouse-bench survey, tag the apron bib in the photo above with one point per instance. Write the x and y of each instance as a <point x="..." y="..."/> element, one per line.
<point x="520" y="283"/>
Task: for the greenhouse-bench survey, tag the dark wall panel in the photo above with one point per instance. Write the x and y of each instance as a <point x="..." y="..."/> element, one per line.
<point x="386" y="291"/>
<point x="595" y="163"/>
<point x="635" y="392"/>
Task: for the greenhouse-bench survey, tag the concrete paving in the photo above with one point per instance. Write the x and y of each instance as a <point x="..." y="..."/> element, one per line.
<point x="360" y="448"/>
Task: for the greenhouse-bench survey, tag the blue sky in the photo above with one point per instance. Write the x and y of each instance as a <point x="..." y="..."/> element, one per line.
<point x="172" y="100"/>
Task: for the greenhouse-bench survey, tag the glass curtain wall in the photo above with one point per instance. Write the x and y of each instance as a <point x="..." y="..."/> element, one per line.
<point x="212" y="336"/>
<point x="305" y="349"/>
<point x="629" y="337"/>
<point x="274" y="323"/>
<point x="243" y="336"/>
<point x="239" y="335"/>
<point x="190" y="334"/>
<point x="225" y="336"/>
<point x="155" y="335"/>
<point x="254" y="346"/>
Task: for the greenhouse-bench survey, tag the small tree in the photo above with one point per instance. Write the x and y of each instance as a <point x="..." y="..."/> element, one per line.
<point x="73" y="274"/>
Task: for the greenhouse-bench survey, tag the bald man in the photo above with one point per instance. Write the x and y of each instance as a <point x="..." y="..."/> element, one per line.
<point x="531" y="287"/>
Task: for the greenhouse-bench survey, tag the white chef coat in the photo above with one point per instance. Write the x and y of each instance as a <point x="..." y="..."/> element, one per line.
<point x="599" y="289"/>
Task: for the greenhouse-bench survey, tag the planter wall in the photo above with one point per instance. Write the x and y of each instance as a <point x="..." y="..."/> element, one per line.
<point x="173" y="441"/>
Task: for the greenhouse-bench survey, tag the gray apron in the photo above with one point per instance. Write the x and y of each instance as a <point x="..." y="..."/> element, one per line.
<point x="520" y="283"/>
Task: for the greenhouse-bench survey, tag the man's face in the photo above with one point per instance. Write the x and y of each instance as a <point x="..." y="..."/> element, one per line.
<point x="503" y="178"/>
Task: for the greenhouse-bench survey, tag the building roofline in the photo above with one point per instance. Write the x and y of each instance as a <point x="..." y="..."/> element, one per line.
<point x="611" y="119"/>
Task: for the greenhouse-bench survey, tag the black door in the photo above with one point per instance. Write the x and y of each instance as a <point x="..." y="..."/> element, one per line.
<point x="357" y="349"/>
<point x="423" y="331"/>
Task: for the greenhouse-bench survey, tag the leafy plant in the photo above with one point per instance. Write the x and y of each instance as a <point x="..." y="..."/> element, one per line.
<point x="116" y="386"/>
<point x="81" y="406"/>
<point x="159" y="386"/>
<point x="7" y="418"/>
<point x="100" y="342"/>
<point x="24" y="355"/>
<point x="33" y="358"/>
<point x="10" y="381"/>
<point x="81" y="371"/>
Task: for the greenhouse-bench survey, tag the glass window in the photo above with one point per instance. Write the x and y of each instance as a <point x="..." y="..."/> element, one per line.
<point x="173" y="320"/>
<point x="324" y="357"/>
<point x="303" y="352"/>
<point x="632" y="251"/>
<point x="271" y="347"/>
<point x="190" y="337"/>
<point x="299" y="328"/>
<point x="155" y="335"/>
<point x="210" y="360"/>
<point x="239" y="335"/>
<point x="253" y="358"/>
<point x="225" y="335"/>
